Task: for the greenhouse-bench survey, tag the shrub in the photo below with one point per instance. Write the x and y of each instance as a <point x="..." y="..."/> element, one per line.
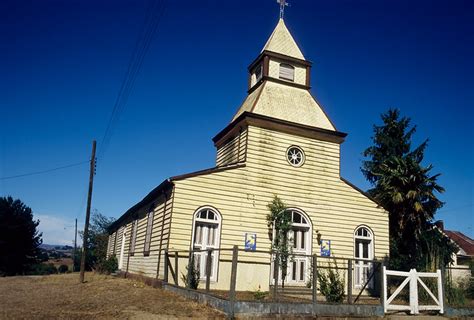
<point x="193" y="281"/>
<point x="455" y="295"/>
<point x="63" y="268"/>
<point x="107" y="266"/>
<point x="470" y="288"/>
<point x="42" y="269"/>
<point x="259" y="295"/>
<point x="331" y="284"/>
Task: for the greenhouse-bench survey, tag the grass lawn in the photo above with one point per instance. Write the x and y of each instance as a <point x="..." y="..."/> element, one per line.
<point x="101" y="297"/>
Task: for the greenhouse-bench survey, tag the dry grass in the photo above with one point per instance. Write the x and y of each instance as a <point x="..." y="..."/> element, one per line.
<point x="101" y="297"/>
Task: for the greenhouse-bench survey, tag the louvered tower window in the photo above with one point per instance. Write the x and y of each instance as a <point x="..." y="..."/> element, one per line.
<point x="258" y="73"/>
<point x="287" y="72"/>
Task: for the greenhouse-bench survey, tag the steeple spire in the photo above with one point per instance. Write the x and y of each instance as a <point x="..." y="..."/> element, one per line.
<point x="281" y="41"/>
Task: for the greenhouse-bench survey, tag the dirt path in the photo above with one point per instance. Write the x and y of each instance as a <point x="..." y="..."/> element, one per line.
<point x="102" y="297"/>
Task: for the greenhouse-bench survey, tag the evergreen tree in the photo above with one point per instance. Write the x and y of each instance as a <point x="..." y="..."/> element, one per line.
<point x="406" y="189"/>
<point x="97" y="242"/>
<point x="19" y="237"/>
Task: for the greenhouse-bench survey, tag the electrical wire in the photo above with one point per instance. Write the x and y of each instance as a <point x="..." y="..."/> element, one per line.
<point x="45" y="171"/>
<point x="153" y="17"/>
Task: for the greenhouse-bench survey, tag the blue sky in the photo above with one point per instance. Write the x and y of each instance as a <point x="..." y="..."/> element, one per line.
<point x="65" y="61"/>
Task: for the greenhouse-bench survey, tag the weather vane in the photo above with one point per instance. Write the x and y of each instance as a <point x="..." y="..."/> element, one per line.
<point x="283" y="4"/>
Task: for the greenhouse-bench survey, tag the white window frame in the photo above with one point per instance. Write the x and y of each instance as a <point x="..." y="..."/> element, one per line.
<point x="217" y="240"/>
<point x="360" y="266"/>
<point x="303" y="156"/>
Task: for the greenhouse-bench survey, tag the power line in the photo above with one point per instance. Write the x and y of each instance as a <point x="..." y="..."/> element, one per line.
<point x="45" y="171"/>
<point x="153" y="16"/>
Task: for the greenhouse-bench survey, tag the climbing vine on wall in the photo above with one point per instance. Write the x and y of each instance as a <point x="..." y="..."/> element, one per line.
<point x="279" y="222"/>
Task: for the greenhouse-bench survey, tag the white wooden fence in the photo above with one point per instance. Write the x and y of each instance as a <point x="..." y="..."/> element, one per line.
<point x="413" y="278"/>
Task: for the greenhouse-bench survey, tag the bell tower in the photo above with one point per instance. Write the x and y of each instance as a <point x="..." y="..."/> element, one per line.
<point x="280" y="61"/>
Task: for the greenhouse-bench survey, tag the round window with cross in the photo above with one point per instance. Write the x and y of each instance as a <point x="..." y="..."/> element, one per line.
<point x="295" y="156"/>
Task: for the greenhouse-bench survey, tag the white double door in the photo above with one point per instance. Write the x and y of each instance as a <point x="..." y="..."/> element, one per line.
<point x="299" y="263"/>
<point x="205" y="238"/>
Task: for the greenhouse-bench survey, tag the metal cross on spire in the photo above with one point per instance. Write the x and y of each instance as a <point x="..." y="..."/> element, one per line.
<point x="283" y="4"/>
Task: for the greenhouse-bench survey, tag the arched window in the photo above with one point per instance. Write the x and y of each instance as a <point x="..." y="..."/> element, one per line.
<point x="287" y="72"/>
<point x="206" y="235"/>
<point x="363" y="250"/>
<point x="300" y="237"/>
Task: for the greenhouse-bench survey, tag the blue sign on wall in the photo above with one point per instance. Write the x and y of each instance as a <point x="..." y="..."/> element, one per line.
<point x="325" y="248"/>
<point x="250" y="241"/>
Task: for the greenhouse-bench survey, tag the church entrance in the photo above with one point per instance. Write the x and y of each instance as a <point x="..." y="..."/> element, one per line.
<point x="363" y="243"/>
<point x="206" y="237"/>
<point x="299" y="265"/>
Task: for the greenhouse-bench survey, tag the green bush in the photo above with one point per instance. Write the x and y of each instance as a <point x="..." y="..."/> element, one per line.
<point x="63" y="268"/>
<point x="42" y="269"/>
<point x="193" y="281"/>
<point x="107" y="266"/>
<point x="456" y="295"/>
<point x="331" y="284"/>
<point x="470" y="289"/>
<point x="259" y="295"/>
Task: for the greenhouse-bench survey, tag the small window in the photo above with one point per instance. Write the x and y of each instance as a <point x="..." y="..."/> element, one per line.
<point x="287" y="72"/>
<point x="133" y="237"/>
<point x="295" y="156"/>
<point x="258" y="73"/>
<point x="149" y="226"/>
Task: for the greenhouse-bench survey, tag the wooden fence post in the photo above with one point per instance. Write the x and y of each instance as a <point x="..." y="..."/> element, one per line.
<point x="208" y="270"/>
<point x="165" y="280"/>
<point x="315" y="280"/>
<point x="176" y="267"/>
<point x="276" y="272"/>
<point x="349" y="281"/>
<point x="233" y="280"/>
<point x="190" y="269"/>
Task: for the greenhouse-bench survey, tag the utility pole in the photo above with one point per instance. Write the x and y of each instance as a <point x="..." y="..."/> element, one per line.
<point x="88" y="212"/>
<point x="75" y="247"/>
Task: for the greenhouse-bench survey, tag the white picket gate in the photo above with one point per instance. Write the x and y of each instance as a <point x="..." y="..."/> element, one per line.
<point x="413" y="278"/>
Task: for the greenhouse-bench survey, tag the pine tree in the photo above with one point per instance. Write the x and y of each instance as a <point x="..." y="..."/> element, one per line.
<point x="405" y="188"/>
<point x="19" y="237"/>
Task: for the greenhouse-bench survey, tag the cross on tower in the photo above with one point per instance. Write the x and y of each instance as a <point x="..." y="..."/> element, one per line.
<point x="283" y="4"/>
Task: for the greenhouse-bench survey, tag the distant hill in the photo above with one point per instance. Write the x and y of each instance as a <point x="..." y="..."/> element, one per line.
<point x="49" y="247"/>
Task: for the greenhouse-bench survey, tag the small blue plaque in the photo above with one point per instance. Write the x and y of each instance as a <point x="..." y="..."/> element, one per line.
<point x="325" y="248"/>
<point x="250" y="241"/>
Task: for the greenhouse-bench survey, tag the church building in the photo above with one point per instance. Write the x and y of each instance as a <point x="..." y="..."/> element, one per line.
<point x="280" y="142"/>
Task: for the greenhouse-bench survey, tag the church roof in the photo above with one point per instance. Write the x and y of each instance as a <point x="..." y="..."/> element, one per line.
<point x="285" y="102"/>
<point x="464" y="242"/>
<point x="282" y="42"/>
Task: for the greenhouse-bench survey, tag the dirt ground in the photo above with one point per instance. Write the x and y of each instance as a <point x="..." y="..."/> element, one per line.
<point x="101" y="297"/>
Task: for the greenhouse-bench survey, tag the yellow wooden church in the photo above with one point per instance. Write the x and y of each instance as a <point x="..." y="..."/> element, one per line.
<point x="280" y="142"/>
